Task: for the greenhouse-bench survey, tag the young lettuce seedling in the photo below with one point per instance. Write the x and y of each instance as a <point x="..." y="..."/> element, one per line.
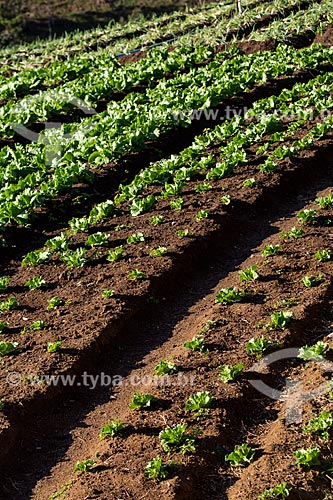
<point x="230" y="373"/>
<point x="36" y="258"/>
<point x="270" y="250"/>
<point x="227" y="296"/>
<point x="142" y="401"/>
<point x="226" y="199"/>
<point x="176" y="204"/>
<point x="159" y="251"/>
<point x="54" y="302"/>
<point x="166" y="368"/>
<point x="293" y="233"/>
<point x="242" y="455"/>
<point x="54" y="346"/>
<point x="115" y="254"/>
<point x="74" y="258"/>
<point x="325" y="201"/>
<point x="36" y="282"/>
<point x="197" y="344"/>
<point x="176" y="438"/>
<point x="137" y="275"/>
<point x="135" y="238"/>
<point x="202" y="214"/>
<point x="313" y="352"/>
<point x="201" y="188"/>
<point x="9" y="305"/>
<point x="107" y="294"/>
<point x="3" y="326"/>
<point x="249" y="274"/>
<point x="97" y="239"/>
<point x="308" y="457"/>
<point x="84" y="466"/>
<point x="38" y="325"/>
<point x="260" y="345"/>
<point x="306" y="216"/>
<point x="140" y="206"/>
<point x="320" y="425"/>
<point x="4" y="281"/>
<point x="311" y="281"/>
<point x="158" y="469"/>
<point x="156" y="220"/>
<point x="251" y="182"/>
<point x="111" y="429"/>
<point x="280" y="491"/>
<point x="58" y="243"/>
<point x="199" y="403"/>
<point x="323" y="255"/>
<point x="182" y="233"/>
<point x="279" y="320"/>
<point x="8" y="348"/>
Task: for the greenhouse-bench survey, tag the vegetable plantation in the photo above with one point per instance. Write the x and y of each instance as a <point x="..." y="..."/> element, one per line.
<point x="166" y="310"/>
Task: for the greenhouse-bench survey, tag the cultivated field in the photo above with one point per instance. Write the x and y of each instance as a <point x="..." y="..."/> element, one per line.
<point x="166" y="272"/>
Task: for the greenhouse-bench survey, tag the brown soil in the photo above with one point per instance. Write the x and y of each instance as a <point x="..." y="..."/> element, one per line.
<point x="326" y="38"/>
<point x="46" y="430"/>
<point x="92" y="321"/>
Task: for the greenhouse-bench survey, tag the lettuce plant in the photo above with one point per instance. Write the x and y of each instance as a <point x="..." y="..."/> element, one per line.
<point x="320" y="425"/>
<point x="115" y="254"/>
<point x="199" y="403"/>
<point x="166" y="368"/>
<point x="36" y="282"/>
<point x="313" y="352"/>
<point x="38" y="325"/>
<point x="325" y="201"/>
<point x="7" y="348"/>
<point x="230" y="373"/>
<point x="54" y="302"/>
<point x="249" y="274"/>
<point x="74" y="258"/>
<point x="279" y="320"/>
<point x="36" y="258"/>
<point x="156" y="220"/>
<point x="242" y="455"/>
<point x="54" y="346"/>
<point x="137" y="275"/>
<point x="142" y="401"/>
<point x="159" y="251"/>
<point x="107" y="294"/>
<point x="9" y="304"/>
<point x="4" y="281"/>
<point x="311" y="281"/>
<point x="293" y="233"/>
<point x="3" y="326"/>
<point x="111" y="429"/>
<point x="270" y="250"/>
<point x="84" y="466"/>
<point x="306" y="216"/>
<point x="279" y="491"/>
<point x="202" y="214"/>
<point x="177" y="438"/>
<point x="259" y="346"/>
<point x="176" y="204"/>
<point x="196" y="344"/>
<point x="227" y="296"/>
<point x="308" y="457"/>
<point x="97" y="239"/>
<point x="159" y="469"/>
<point x="135" y="238"/>
<point x="323" y="255"/>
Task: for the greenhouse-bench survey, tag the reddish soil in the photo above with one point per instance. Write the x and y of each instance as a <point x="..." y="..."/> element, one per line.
<point x="46" y="430"/>
<point x="94" y="322"/>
